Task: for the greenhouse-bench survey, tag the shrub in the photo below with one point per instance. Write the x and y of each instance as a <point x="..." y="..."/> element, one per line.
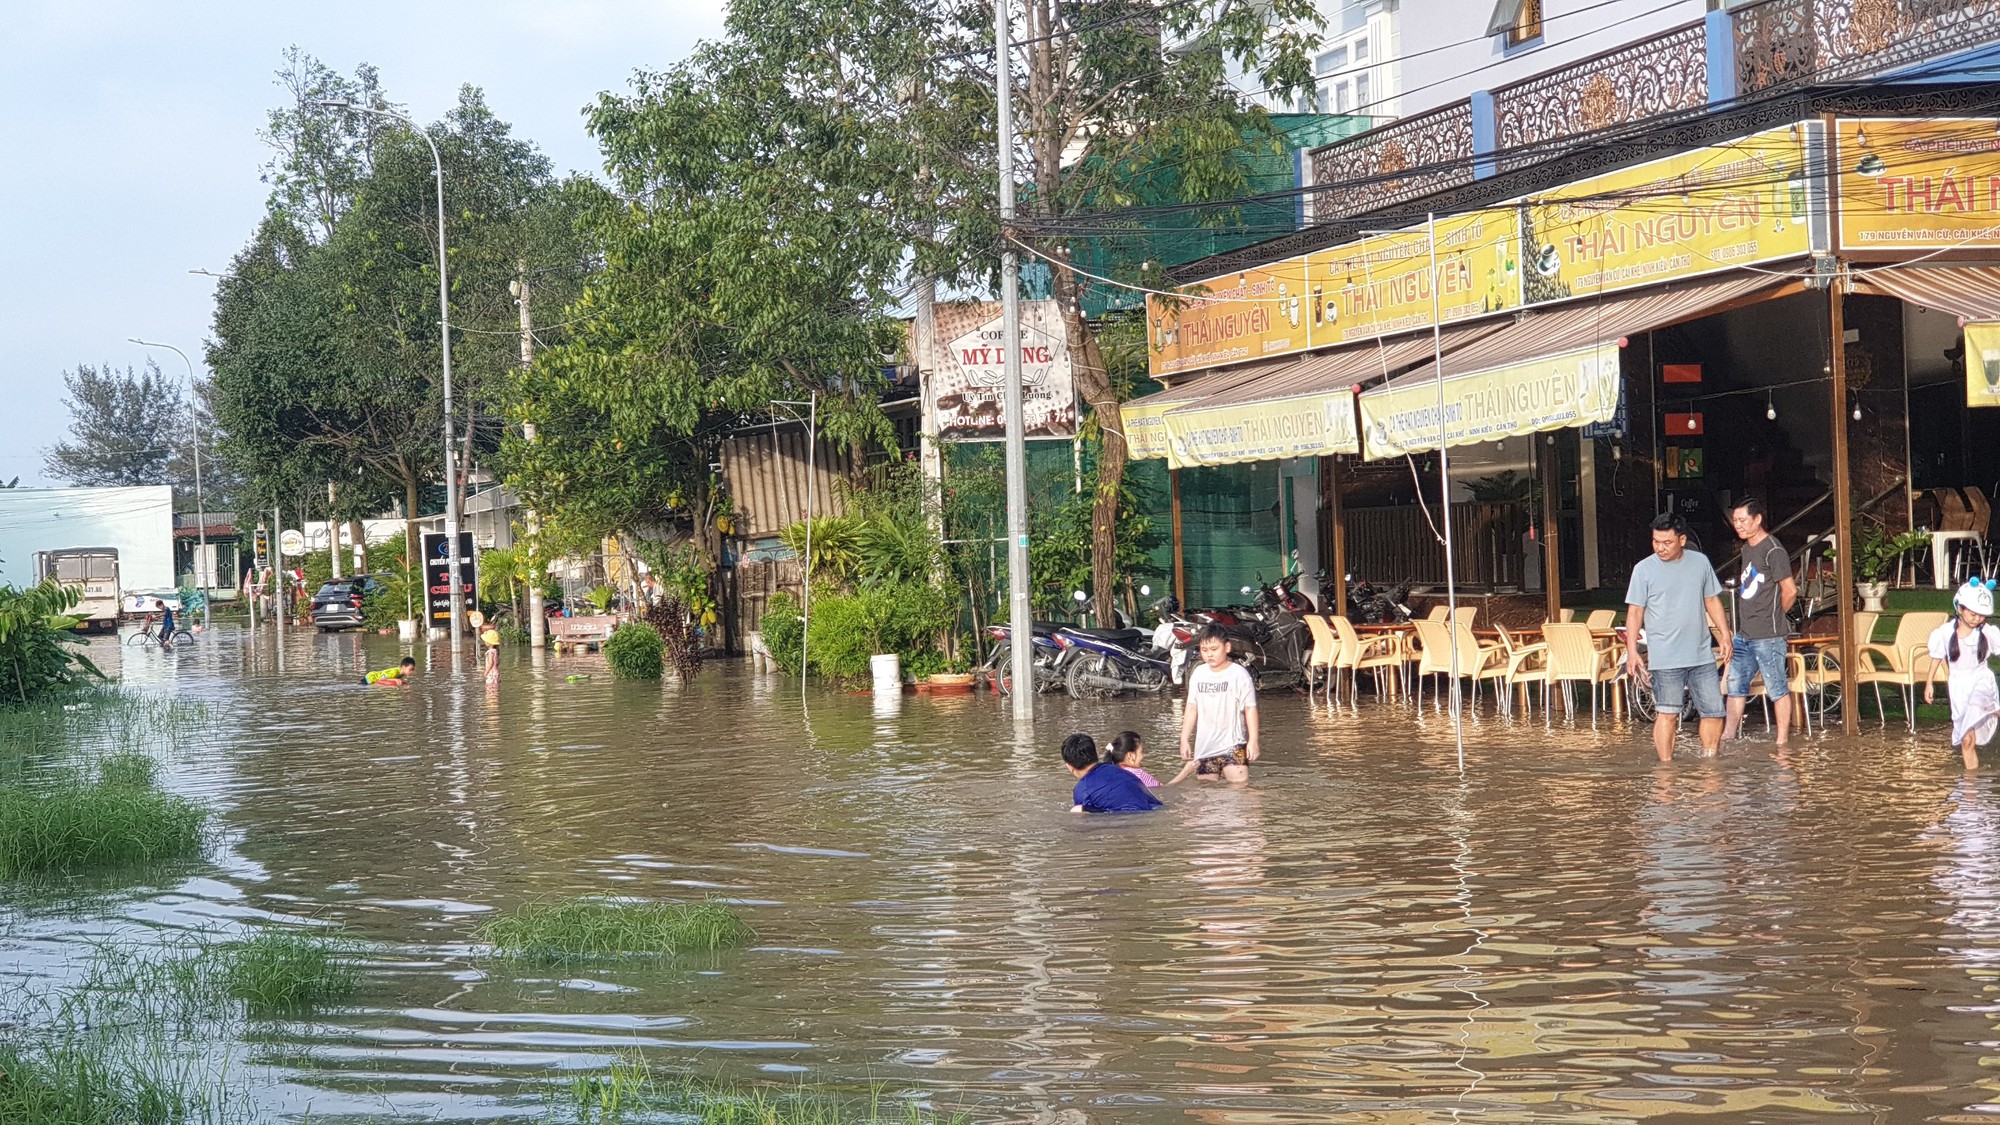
<point x="76" y="826"/>
<point x="635" y="652"/>
<point x="128" y="771"/>
<point x="36" y="639"/>
<point x="784" y="632"/>
<point x="595" y="929"/>
<point x="847" y="629"/>
<point x="836" y="546"/>
<point x="281" y="971"/>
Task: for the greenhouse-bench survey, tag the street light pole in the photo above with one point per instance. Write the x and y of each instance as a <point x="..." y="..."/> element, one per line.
<point x="1021" y="616"/>
<point x="200" y="509"/>
<point x="452" y="569"/>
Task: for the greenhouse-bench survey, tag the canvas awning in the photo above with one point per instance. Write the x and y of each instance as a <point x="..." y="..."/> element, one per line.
<point x="1142" y="418"/>
<point x="1967" y="292"/>
<point x="1545" y="371"/>
<point x="1303" y="408"/>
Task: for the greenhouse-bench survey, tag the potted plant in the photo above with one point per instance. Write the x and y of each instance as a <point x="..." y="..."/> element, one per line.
<point x="1875" y="551"/>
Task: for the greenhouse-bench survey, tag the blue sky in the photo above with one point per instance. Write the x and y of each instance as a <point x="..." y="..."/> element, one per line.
<point x="129" y="151"/>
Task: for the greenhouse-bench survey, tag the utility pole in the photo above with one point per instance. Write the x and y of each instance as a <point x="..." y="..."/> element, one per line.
<point x="538" y="622"/>
<point x="332" y="530"/>
<point x="278" y="572"/>
<point x="1022" y="619"/>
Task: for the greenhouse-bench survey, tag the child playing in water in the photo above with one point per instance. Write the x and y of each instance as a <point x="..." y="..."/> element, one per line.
<point x="1219" y="727"/>
<point x="1100" y="785"/>
<point x="1128" y="752"/>
<point x="392" y="677"/>
<point x="1964" y="646"/>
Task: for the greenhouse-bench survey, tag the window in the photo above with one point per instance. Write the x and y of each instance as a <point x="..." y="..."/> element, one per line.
<point x="1360" y="92"/>
<point x="1519" y="20"/>
<point x="1331" y="61"/>
<point x="1361" y="50"/>
<point x="1342" y="98"/>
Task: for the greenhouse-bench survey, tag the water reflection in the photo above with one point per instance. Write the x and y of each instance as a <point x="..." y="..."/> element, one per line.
<point x="1566" y="932"/>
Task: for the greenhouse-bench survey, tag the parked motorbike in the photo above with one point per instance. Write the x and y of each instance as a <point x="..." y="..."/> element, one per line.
<point x="1269" y="637"/>
<point x="1101" y="663"/>
<point x="1368" y="604"/>
<point x="1047" y="657"/>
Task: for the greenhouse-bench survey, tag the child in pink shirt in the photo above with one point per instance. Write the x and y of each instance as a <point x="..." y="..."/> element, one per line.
<point x="1128" y="752"/>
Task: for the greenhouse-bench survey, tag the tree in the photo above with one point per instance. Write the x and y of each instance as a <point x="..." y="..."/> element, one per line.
<point x="122" y="427"/>
<point x="327" y="344"/>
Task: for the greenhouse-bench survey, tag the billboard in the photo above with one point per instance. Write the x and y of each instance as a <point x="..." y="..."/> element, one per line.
<point x="437" y="576"/>
<point x="965" y="378"/>
<point x="1919" y="183"/>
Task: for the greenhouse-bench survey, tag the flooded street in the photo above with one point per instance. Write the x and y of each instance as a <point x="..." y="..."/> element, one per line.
<point x="1567" y="932"/>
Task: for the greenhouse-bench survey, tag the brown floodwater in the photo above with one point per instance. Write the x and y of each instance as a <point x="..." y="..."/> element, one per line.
<point x="1566" y="931"/>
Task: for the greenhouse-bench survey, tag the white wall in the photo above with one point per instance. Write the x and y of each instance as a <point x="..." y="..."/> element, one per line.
<point x="1446" y="53"/>
<point x="139" y="522"/>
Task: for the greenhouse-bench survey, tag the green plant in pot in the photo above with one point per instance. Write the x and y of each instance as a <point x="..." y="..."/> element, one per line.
<point x="1875" y="551"/>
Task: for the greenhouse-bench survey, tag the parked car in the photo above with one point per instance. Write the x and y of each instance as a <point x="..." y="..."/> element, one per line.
<point x="338" y="603"/>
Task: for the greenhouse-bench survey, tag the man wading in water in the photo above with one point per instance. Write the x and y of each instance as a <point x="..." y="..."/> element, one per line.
<point x="1764" y="595"/>
<point x="1671" y="591"/>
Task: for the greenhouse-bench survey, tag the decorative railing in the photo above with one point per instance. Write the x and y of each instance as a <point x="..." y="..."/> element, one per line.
<point x="1400" y="545"/>
<point x="1414" y="157"/>
<point x="1658" y="76"/>
<point x="1781" y="42"/>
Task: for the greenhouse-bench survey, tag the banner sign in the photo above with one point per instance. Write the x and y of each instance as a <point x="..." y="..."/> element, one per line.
<point x="1982" y="363"/>
<point x="1732" y="204"/>
<point x="1310" y="425"/>
<point x="1573" y="388"/>
<point x="1756" y="199"/>
<point x="437" y="576"/>
<point x="1919" y="183"/>
<point x="965" y="384"/>
<point x="1382" y="285"/>
<point x="1145" y="425"/>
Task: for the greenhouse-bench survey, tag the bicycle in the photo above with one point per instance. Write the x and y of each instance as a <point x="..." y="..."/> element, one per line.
<point x="148" y="635"/>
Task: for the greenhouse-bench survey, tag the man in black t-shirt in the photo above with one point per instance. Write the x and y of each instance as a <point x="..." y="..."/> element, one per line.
<point x="1764" y="595"/>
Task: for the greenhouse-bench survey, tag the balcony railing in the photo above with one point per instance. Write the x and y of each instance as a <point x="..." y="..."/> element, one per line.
<point x="1782" y="42"/>
<point x="1770" y="45"/>
<point x="1640" y="80"/>
<point x="1414" y="157"/>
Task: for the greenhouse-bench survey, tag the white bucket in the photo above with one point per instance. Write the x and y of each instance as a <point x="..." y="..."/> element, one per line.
<point x="406" y="630"/>
<point x="888" y="670"/>
<point x="760" y="657"/>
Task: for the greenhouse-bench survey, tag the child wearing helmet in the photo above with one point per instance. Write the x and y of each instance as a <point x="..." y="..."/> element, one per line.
<point x="1964" y="645"/>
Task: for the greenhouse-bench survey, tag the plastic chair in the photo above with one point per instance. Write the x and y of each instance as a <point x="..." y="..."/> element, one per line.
<point x="1382" y="652"/>
<point x="1325" y="655"/>
<point x="1435" y="658"/>
<point x="1903" y="663"/>
<point x="1527" y="664"/>
<point x="1574" y="655"/>
<point x="1601" y="620"/>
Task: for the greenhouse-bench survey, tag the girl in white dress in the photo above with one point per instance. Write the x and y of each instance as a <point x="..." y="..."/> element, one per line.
<point x="1964" y="645"/>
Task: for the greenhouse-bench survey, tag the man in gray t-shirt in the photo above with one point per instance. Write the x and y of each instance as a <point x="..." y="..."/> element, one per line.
<point x="1672" y="595"/>
<point x="1764" y="594"/>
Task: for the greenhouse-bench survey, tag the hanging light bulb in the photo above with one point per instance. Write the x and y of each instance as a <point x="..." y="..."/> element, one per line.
<point x="1691" y="422"/>
<point x="1857" y="412"/>
<point x="1770" y="408"/>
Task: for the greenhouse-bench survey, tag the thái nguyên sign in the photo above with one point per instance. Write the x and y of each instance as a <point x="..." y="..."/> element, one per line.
<point x="1573" y="388"/>
<point x="1382" y="284"/>
<point x="1918" y="183"/>
<point x="1729" y="205"/>
<point x="1239" y="316"/>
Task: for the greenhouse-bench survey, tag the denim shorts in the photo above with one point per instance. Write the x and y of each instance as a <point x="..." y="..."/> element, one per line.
<point x="1748" y="657"/>
<point x="1673" y="687"/>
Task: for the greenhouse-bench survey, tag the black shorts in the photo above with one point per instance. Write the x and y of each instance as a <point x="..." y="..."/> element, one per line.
<point x="1213" y="765"/>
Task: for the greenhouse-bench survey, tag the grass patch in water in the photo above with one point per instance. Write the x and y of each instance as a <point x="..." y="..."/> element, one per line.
<point x="97" y="721"/>
<point x="118" y="820"/>
<point x="87" y="1083"/>
<point x="585" y="929"/>
<point x="628" y="1091"/>
<point x="287" y="971"/>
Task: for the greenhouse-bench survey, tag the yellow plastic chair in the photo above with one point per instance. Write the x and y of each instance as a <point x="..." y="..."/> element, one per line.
<point x="1379" y="653"/>
<point x="1475" y="661"/>
<point x="1575" y="656"/>
<point x="1325" y="656"/>
<point x="1601" y="620"/>
<point x="1903" y="663"/>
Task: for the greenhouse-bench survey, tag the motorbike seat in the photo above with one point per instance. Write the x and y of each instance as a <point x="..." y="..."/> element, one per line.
<point x="1115" y="636"/>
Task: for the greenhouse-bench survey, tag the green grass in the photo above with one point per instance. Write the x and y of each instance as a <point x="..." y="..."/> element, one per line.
<point x="287" y="971"/>
<point x="74" y="826"/>
<point x="94" y="722"/>
<point x="86" y="1082"/>
<point x="595" y="929"/>
<point x="628" y="1091"/>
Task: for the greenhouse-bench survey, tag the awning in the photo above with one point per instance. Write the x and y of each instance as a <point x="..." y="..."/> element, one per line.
<point x="1545" y="371"/>
<point x="1304" y="408"/>
<point x="1145" y="429"/>
<point x="1968" y="292"/>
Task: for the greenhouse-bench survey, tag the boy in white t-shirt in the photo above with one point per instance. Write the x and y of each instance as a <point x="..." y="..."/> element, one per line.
<point x="1219" y="726"/>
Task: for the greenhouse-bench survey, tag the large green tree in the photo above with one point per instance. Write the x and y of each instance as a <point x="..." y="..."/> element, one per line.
<point x="327" y="348"/>
<point x="134" y="427"/>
